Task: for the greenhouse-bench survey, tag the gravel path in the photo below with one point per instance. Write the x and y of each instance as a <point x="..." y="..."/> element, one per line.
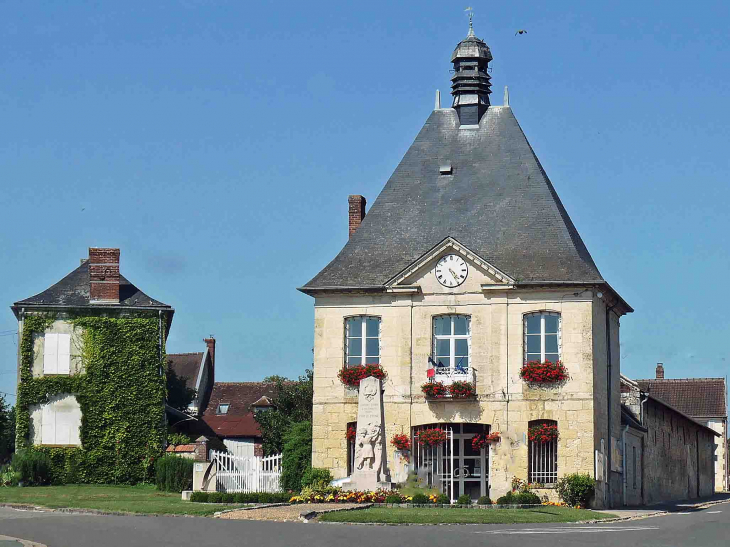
<point x="288" y="512"/>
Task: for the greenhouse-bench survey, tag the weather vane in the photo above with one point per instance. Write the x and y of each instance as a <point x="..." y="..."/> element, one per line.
<point x="471" y="16"/>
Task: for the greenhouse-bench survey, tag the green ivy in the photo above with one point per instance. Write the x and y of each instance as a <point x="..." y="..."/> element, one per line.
<point x="121" y="392"/>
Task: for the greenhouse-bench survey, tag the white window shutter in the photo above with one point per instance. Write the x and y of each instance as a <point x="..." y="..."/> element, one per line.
<point x="48" y="425"/>
<point x="64" y="353"/>
<point x="74" y="434"/>
<point x="50" y="354"/>
<point x="63" y="426"/>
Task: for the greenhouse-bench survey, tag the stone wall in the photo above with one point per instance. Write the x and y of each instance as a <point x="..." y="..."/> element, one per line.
<point x="504" y="402"/>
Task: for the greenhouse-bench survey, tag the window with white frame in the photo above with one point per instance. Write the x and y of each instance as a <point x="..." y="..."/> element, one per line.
<point x="56" y="353"/>
<point x="542" y="457"/>
<point x="222" y="408"/>
<point x="542" y="336"/>
<point x="452" y="340"/>
<point x="60" y="422"/>
<point x="362" y="340"/>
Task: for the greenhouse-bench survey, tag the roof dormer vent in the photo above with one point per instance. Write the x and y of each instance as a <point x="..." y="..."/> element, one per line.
<point x="446" y="169"/>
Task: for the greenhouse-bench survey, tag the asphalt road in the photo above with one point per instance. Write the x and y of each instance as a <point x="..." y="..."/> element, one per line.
<point x="702" y="528"/>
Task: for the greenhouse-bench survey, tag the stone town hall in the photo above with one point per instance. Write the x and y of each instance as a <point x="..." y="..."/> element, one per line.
<point x="468" y="261"/>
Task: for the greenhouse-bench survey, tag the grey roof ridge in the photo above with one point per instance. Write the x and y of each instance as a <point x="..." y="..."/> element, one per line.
<point x="690" y="418"/>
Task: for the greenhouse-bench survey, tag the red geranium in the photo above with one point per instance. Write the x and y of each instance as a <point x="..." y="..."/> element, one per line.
<point x="352" y="375"/>
<point x="544" y="373"/>
<point x="401" y="441"/>
<point x="434" y="390"/>
<point x="481" y="440"/>
<point x="351" y="433"/>
<point x="543" y="433"/>
<point x="431" y="437"/>
<point x="462" y="390"/>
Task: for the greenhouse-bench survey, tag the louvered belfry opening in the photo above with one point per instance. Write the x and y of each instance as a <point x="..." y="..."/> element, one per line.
<point x="471" y="83"/>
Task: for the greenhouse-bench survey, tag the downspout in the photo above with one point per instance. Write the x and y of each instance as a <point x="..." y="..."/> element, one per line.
<point x="623" y="460"/>
<point x="608" y="396"/>
<point x="507" y="346"/>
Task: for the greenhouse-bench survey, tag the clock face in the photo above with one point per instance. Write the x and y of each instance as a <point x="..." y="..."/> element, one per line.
<point x="451" y="270"/>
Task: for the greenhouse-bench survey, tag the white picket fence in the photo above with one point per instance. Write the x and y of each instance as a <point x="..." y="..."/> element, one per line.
<point x="252" y="474"/>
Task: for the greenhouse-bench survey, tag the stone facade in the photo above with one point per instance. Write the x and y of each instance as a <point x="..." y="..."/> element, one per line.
<point x="504" y="401"/>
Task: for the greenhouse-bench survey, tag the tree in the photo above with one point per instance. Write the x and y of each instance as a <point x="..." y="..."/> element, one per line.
<point x="179" y="395"/>
<point x="292" y="403"/>
<point x="7" y="430"/>
<point x="296" y="455"/>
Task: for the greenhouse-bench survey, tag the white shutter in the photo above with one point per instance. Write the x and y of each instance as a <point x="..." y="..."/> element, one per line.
<point x="50" y="354"/>
<point x="63" y="426"/>
<point x="64" y="353"/>
<point x="74" y="435"/>
<point x="48" y="425"/>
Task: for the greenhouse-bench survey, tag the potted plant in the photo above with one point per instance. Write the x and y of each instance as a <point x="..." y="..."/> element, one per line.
<point x="481" y="440"/>
<point x="462" y="390"/>
<point x="434" y="390"/>
<point x="401" y="441"/>
<point x="544" y="373"/>
<point x="431" y="437"/>
<point x="353" y="375"/>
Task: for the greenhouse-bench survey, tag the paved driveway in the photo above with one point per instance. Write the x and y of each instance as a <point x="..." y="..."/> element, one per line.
<point x="702" y="528"/>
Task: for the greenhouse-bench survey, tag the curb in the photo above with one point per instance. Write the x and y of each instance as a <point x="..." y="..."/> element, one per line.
<point x="217" y="514"/>
<point x="693" y="507"/>
<point x="307" y="516"/>
<point x="100" y="512"/>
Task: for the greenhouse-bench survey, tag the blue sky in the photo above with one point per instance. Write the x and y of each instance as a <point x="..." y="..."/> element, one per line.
<point x="215" y="143"/>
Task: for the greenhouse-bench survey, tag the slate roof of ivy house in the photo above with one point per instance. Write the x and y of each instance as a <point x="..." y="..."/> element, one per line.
<point x="696" y="397"/>
<point x="498" y="202"/>
<point x="186" y="365"/>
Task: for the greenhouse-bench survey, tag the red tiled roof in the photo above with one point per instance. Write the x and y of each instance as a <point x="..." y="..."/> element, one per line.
<point x="186" y="365"/>
<point x="696" y="397"/>
<point x="181" y="448"/>
<point x="239" y="420"/>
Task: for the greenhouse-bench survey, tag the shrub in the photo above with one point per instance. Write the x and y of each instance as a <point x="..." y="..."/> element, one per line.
<point x="297" y="455"/>
<point x="33" y="467"/>
<point x="174" y="474"/>
<point x="175" y="439"/>
<point x="442" y="499"/>
<point x="420" y="499"/>
<point x="200" y="497"/>
<point x="464" y="499"/>
<point x="484" y="500"/>
<point x="316" y="477"/>
<point x="507" y="499"/>
<point x="215" y="497"/>
<point x="576" y="489"/>
<point x="526" y="498"/>
<point x="392" y="498"/>
<point x="229" y="498"/>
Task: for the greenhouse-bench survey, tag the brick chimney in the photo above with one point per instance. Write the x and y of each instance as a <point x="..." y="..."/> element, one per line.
<point x="659" y="371"/>
<point x="103" y="276"/>
<point x="356" y="212"/>
<point x="210" y="342"/>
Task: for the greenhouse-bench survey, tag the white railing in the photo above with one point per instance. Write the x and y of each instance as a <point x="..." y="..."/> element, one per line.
<point x="448" y="375"/>
<point x="252" y="474"/>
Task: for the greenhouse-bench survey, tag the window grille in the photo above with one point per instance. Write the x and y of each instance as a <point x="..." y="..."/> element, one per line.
<point x="543" y="459"/>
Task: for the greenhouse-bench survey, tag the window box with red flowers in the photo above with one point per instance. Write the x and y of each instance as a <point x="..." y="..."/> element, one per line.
<point x="543" y="433"/>
<point x="462" y="390"/>
<point x="434" y="390"/>
<point x="353" y="375"/>
<point x="431" y="437"/>
<point x="544" y="373"/>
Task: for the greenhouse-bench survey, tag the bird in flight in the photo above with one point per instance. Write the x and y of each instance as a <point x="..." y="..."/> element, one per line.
<point x="521" y="31"/>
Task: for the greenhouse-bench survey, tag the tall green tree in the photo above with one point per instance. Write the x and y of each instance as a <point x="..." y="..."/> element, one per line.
<point x="292" y="404"/>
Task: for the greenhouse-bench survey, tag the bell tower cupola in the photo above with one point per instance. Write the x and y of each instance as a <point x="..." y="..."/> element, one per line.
<point x="471" y="84"/>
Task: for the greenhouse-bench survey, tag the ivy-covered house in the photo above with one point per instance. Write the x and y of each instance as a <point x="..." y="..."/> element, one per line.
<point x="91" y="384"/>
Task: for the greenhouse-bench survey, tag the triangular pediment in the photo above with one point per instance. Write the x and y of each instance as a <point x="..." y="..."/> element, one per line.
<point x="480" y="270"/>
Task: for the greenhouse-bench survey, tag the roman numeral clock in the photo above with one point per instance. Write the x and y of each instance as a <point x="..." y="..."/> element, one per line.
<point x="451" y="270"/>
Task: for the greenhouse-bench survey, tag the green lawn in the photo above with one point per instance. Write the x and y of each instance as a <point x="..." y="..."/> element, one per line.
<point x="401" y="515"/>
<point x="130" y="499"/>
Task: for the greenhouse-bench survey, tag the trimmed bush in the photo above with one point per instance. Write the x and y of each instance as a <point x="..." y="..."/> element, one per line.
<point x="229" y="498"/>
<point x="420" y="499"/>
<point x="527" y="498"/>
<point x="576" y="489"/>
<point x="174" y="474"/>
<point x="33" y="467"/>
<point x="215" y="497"/>
<point x="392" y="498"/>
<point x="484" y="500"/>
<point x="443" y="499"/>
<point x="316" y="477"/>
<point x="464" y="499"/>
<point x="507" y="499"/>
<point x="200" y="497"/>
<point x="296" y="457"/>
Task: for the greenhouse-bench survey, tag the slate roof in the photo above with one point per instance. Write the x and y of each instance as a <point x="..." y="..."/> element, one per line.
<point x="696" y="397"/>
<point x="73" y="291"/>
<point x="239" y="421"/>
<point x="498" y="202"/>
<point x="186" y="365"/>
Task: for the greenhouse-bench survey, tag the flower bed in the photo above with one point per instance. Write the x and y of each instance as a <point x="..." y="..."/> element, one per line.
<point x="378" y="496"/>
<point x="543" y="433"/>
<point x="544" y="373"/>
<point x="353" y="375"/>
<point x="431" y="437"/>
<point x="434" y="390"/>
<point x="462" y="390"/>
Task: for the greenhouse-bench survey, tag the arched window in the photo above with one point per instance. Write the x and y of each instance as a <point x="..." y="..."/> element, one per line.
<point x="452" y="341"/>
<point x="542" y="453"/>
<point x="542" y="336"/>
<point x="362" y="340"/>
